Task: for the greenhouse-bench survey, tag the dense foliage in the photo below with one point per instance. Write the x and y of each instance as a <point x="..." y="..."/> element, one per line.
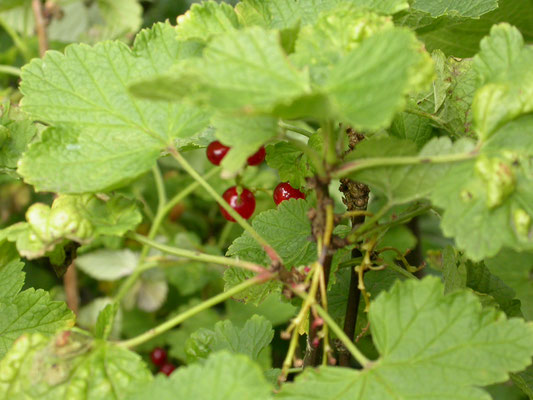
<point x="293" y="199"/>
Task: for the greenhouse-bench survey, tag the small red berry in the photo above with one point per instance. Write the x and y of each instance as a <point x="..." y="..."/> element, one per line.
<point x="216" y="151"/>
<point x="284" y="191"/>
<point x="316" y="342"/>
<point x="243" y="204"/>
<point x="158" y="356"/>
<point x="257" y="158"/>
<point x="167" y="369"/>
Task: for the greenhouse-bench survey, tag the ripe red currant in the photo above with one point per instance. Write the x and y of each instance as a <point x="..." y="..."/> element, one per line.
<point x="158" y="356"/>
<point x="284" y="191"/>
<point x="216" y="151"/>
<point x="167" y="369"/>
<point x="257" y="158"/>
<point x="243" y="204"/>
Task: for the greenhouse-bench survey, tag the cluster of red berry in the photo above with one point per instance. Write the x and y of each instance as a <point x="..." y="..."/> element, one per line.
<point x="159" y="358"/>
<point x="244" y="203"/>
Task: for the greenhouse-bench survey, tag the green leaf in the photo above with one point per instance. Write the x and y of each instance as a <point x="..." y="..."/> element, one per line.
<point x="487" y="195"/>
<point x="79" y="218"/>
<point x="286" y="14"/>
<point x="105" y="322"/>
<point x="108" y="265"/>
<point x="206" y="20"/>
<point x="504" y="66"/>
<point x="31" y="311"/>
<point x="453" y="271"/>
<point x="412" y="127"/>
<point x="250" y="340"/>
<point x="223" y="376"/>
<point x="402" y="184"/>
<point x="69" y="366"/>
<point x="101" y="136"/>
<point x="18" y="135"/>
<point x="11" y="279"/>
<point x="265" y="80"/>
<point x="524" y="380"/>
<point x="463" y="347"/>
<point x="368" y="86"/>
<point x="515" y="270"/>
<point x="245" y="135"/>
<point x="8" y="4"/>
<point x="460" y="37"/>
<point x="254" y="295"/>
<point x="287" y="229"/>
<point x="455" y="7"/>
<point x="451" y="96"/>
<point x="290" y="162"/>
<point x="336" y="32"/>
<point x="120" y="16"/>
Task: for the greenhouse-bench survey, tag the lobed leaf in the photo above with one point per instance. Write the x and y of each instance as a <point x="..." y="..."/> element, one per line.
<point x="462" y="347"/>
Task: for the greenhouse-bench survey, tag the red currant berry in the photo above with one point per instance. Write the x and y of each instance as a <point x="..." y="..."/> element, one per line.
<point x="284" y="191"/>
<point x="167" y="369"/>
<point x="243" y="204"/>
<point x="216" y="151"/>
<point x="158" y="356"/>
<point x="257" y="158"/>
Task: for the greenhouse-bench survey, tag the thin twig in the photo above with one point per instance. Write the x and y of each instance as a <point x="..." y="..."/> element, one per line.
<point x="70" y="283"/>
<point x="40" y="26"/>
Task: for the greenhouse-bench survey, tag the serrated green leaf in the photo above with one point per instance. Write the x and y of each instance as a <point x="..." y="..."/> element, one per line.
<point x="287" y="229"/>
<point x="266" y="78"/>
<point x="11" y="279"/>
<point x="69" y="366"/>
<point x="79" y="218"/>
<point x="19" y="134"/>
<point x="255" y="294"/>
<point x="223" y="376"/>
<point x="31" y="311"/>
<point x="515" y="269"/>
<point x="206" y="20"/>
<point x="455" y="7"/>
<point x="368" y="86"/>
<point x="524" y="380"/>
<point x="463" y="347"/>
<point x="108" y="265"/>
<point x="290" y="162"/>
<point x="405" y="184"/>
<point x="508" y="80"/>
<point x="336" y="32"/>
<point x="283" y="14"/>
<point x="487" y="195"/>
<point x="101" y="136"/>
<point x="250" y="340"/>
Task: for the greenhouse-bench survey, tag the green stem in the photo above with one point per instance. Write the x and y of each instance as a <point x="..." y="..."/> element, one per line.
<point x="273" y="255"/>
<point x="7" y="69"/>
<point x="160" y="185"/>
<point x="350" y="346"/>
<point x="378" y="162"/>
<point x="196" y="255"/>
<point x="399" y="221"/>
<point x="401" y="271"/>
<point x="296" y="129"/>
<point x="432" y="117"/>
<point x="162" y="210"/>
<point x="19" y="43"/>
<point x="330" y="142"/>
<point x="178" y="319"/>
